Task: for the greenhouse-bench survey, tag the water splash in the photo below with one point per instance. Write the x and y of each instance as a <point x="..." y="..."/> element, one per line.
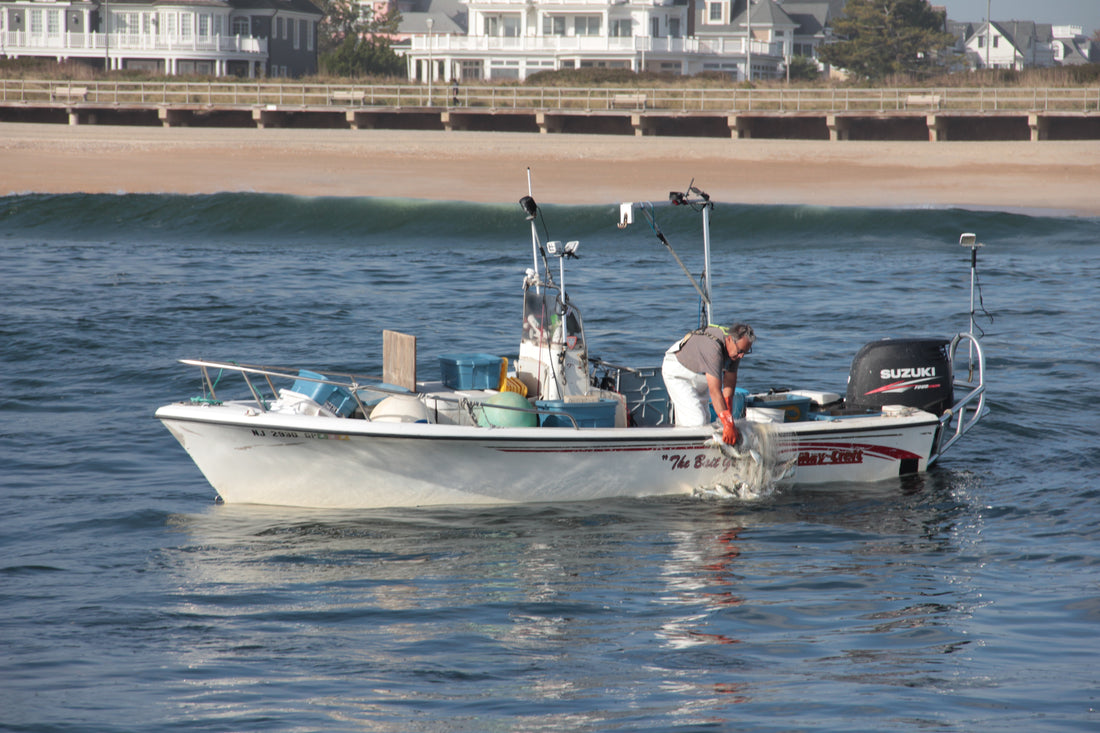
<point x="758" y="464"/>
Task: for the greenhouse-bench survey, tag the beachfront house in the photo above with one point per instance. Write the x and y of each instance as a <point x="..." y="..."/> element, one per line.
<point x="1020" y="44"/>
<point x="1071" y="47"/>
<point x="1014" y="44"/>
<point x="248" y="38"/>
<point x="511" y="39"/>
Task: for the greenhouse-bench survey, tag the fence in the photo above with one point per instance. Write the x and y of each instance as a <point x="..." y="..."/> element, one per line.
<point x="527" y="98"/>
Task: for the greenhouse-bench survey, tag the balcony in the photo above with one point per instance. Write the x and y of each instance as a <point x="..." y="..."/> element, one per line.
<point x="590" y="44"/>
<point x="26" y="43"/>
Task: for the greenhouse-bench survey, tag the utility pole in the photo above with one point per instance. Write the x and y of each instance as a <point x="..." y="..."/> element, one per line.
<point x="988" y="32"/>
<point x="106" y="38"/>
<point x="748" y="41"/>
<point x="431" y="62"/>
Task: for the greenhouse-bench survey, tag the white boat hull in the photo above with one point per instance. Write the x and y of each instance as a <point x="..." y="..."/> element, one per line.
<point x="250" y="456"/>
<point x="346" y="440"/>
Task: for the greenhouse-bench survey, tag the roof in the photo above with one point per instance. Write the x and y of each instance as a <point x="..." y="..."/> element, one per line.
<point x="812" y="17"/>
<point x="448" y="16"/>
<point x="1077" y="51"/>
<point x="764" y="13"/>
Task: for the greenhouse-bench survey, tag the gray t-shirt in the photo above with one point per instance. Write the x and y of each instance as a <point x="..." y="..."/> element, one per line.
<point x="705" y="353"/>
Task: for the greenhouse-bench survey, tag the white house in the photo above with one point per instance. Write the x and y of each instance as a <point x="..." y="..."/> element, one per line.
<point x="512" y="39"/>
<point x="1013" y="44"/>
<point x="1071" y="47"/>
<point x="211" y="37"/>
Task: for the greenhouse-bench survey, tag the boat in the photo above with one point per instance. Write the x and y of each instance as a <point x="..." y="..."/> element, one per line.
<point x="557" y="424"/>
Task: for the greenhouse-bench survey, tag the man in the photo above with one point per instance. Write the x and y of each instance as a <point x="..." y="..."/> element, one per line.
<point x="703" y="365"/>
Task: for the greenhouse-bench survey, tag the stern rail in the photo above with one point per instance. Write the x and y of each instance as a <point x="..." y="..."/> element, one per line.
<point x="968" y="410"/>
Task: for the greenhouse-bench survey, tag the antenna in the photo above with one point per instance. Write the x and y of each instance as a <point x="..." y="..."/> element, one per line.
<point x="969" y="239"/>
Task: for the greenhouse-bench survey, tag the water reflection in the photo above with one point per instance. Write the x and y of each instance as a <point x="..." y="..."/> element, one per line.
<point x="566" y="613"/>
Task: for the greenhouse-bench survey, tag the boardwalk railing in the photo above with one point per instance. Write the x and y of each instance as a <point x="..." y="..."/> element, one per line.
<point x="526" y="98"/>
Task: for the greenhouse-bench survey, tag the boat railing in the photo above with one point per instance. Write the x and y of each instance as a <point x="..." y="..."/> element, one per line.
<point x="351" y="382"/>
<point x="968" y="410"/>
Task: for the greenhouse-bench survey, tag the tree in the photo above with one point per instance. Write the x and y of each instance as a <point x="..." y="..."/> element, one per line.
<point x="354" y="40"/>
<point x="800" y="68"/>
<point x="883" y="37"/>
<point x="358" y="56"/>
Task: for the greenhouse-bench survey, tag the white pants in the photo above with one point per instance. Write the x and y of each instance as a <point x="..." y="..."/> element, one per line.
<point x="688" y="391"/>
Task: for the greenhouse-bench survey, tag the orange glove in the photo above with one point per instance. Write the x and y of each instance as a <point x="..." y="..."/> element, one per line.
<point x="729" y="430"/>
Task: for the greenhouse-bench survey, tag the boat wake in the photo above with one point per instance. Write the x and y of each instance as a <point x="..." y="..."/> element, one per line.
<point x="757" y="469"/>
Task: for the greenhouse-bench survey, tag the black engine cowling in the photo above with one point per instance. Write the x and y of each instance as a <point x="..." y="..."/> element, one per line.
<point x="910" y="372"/>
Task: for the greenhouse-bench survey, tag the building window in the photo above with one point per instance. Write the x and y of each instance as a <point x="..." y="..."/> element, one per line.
<point x="36" y="21"/>
<point x="309" y="35"/>
<point x="622" y="28"/>
<point x="716" y="12"/>
<point x="586" y="25"/>
<point x="553" y="25"/>
<point x="504" y="69"/>
<point x="674" y="27"/>
<point x="297" y="34"/>
<point x="502" y="25"/>
<point x="471" y="69"/>
<point x="996" y="39"/>
<point x="655" y="27"/>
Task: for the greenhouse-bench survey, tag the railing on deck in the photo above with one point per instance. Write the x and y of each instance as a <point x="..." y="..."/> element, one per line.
<point x="353" y="384"/>
<point x="245" y="93"/>
<point x="27" y="43"/>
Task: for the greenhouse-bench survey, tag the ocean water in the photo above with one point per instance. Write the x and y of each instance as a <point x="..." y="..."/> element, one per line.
<point x="965" y="599"/>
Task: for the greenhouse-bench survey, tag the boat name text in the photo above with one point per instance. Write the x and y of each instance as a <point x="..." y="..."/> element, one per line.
<point x="829" y="457"/>
<point x="680" y="461"/>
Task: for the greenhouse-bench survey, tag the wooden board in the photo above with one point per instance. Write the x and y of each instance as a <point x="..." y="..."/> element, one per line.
<point x="399" y="359"/>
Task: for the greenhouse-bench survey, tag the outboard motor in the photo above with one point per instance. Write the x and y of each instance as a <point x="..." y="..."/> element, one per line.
<point x="911" y="372"/>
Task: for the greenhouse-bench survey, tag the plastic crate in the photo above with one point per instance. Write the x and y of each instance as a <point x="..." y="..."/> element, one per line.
<point x="470" y="371"/>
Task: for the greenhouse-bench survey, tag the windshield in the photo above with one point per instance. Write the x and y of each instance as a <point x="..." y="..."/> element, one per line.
<point x="542" y="319"/>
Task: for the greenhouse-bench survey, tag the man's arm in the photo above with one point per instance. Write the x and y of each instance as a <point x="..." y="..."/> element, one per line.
<point x="730" y="384"/>
<point x="718" y="394"/>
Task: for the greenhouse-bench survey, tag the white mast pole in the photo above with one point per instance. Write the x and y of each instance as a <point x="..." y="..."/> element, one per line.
<point x="706" y="263"/>
<point x="534" y="238"/>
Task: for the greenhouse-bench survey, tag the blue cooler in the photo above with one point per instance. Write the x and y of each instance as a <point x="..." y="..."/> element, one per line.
<point x="740" y="397"/>
<point x="597" y="414"/>
<point x="333" y="398"/>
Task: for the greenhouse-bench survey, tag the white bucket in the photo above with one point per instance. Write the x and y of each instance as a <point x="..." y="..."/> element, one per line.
<point x="765" y="414"/>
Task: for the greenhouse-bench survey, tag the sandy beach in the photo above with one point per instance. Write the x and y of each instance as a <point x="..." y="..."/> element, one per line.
<point x="1054" y="176"/>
